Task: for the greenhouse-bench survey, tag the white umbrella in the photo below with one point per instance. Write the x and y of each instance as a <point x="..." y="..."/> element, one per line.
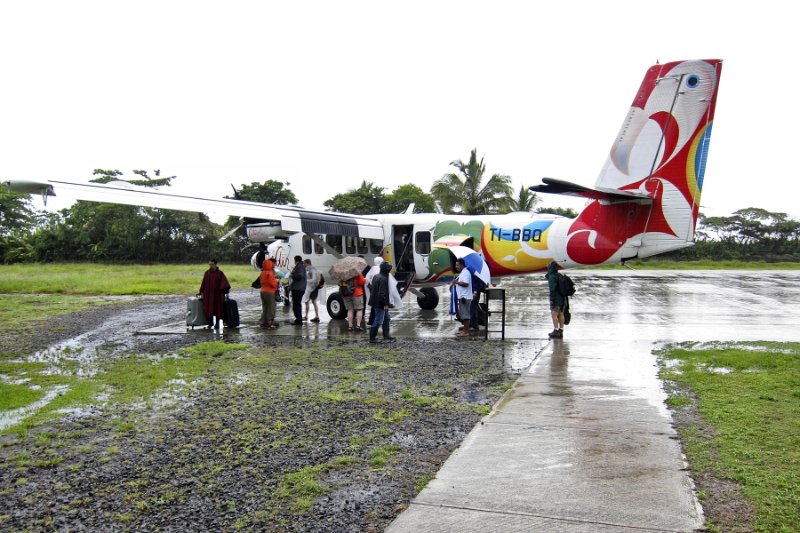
<point x="473" y="261"/>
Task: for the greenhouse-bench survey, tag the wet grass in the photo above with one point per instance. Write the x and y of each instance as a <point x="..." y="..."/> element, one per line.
<point x="124" y="380"/>
<point x="298" y="423"/>
<point x="25" y="313"/>
<point x="94" y="278"/>
<point x="748" y="400"/>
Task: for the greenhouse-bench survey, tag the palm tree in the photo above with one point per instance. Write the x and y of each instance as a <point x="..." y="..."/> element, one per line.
<point x="525" y="200"/>
<point x="467" y="195"/>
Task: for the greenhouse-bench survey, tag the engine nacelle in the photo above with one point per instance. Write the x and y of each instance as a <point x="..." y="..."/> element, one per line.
<point x="265" y="232"/>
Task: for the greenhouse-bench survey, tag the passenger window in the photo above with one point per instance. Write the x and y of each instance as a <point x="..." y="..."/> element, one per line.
<point x="422" y="242"/>
<point x="375" y="246"/>
<point x="318" y="249"/>
<point x="362" y="246"/>
<point x="335" y="242"/>
<point x="350" y="245"/>
<point x="306" y="245"/>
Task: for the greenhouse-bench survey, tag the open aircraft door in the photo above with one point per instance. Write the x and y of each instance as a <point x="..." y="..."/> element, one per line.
<point x="422" y="252"/>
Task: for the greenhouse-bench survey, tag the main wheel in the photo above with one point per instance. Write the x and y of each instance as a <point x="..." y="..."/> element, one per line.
<point x="429" y="299"/>
<point x="335" y="306"/>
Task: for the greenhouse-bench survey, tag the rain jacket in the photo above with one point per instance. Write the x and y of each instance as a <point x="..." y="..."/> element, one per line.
<point x="269" y="283"/>
<point x="213" y="289"/>
<point x="556" y="298"/>
<point x="380" y="295"/>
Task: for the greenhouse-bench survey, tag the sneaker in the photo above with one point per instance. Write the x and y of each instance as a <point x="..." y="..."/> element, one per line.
<point x="315" y="319"/>
<point x="553" y="334"/>
<point x="389" y="338"/>
<point x="297" y="323"/>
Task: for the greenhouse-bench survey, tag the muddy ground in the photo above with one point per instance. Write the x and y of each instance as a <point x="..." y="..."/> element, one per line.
<point x="328" y="436"/>
<point x="339" y="438"/>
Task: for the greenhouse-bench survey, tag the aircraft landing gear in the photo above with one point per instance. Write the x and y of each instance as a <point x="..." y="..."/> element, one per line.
<point x="429" y="299"/>
<point x="335" y="306"/>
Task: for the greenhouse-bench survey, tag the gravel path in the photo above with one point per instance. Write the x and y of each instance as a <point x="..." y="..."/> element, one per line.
<point x="288" y="435"/>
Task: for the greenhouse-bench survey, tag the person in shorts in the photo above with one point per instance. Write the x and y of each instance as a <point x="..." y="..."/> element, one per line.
<point x="557" y="302"/>
<point x="312" y="290"/>
<point x="354" y="303"/>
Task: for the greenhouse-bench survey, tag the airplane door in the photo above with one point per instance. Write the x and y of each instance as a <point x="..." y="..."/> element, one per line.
<point x="422" y="251"/>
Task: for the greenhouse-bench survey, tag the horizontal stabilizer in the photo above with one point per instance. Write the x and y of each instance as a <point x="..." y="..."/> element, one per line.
<point x="554" y="186"/>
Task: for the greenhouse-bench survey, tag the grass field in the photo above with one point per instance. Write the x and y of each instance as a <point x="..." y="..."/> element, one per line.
<point x="99" y="279"/>
<point x="748" y="400"/>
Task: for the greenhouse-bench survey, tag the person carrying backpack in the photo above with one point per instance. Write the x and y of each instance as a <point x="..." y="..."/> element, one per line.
<point x="352" y="293"/>
<point x="558" y="301"/>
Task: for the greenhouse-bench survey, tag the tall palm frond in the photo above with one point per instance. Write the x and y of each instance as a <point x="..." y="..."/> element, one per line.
<point x="466" y="195"/>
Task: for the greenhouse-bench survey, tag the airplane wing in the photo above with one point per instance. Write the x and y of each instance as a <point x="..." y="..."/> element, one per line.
<point x="291" y="219"/>
<point x="554" y="186"/>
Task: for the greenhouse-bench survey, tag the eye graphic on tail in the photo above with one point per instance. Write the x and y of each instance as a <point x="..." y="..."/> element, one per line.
<point x="660" y="152"/>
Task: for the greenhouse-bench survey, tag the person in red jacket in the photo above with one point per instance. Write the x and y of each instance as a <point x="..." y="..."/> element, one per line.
<point x="269" y="286"/>
<point x="214" y="289"/>
<point x="354" y="303"/>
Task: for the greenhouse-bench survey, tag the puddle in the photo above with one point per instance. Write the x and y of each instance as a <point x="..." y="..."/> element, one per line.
<point x="15" y="416"/>
<point x="518" y="356"/>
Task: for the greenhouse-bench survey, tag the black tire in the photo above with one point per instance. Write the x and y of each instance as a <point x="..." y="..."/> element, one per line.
<point x="429" y="299"/>
<point x="335" y="306"/>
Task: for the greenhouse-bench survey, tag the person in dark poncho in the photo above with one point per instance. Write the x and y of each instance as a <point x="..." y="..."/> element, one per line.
<point x="214" y="289"/>
<point x="557" y="301"/>
<point x="380" y="301"/>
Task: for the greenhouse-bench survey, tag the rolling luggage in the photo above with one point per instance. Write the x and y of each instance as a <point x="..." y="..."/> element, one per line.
<point x="195" y="315"/>
<point x="231" y="310"/>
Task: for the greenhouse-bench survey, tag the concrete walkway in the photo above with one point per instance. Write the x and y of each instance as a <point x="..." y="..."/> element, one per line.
<point x="582" y="443"/>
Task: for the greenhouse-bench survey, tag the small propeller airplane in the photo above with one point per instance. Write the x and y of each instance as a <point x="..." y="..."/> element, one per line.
<point x="645" y="202"/>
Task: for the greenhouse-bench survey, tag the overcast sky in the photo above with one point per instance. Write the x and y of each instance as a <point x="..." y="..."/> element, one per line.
<point x="327" y="94"/>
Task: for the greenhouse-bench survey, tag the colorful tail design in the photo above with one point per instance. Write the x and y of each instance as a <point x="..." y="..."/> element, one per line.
<point x="661" y="151"/>
<point x="647" y="196"/>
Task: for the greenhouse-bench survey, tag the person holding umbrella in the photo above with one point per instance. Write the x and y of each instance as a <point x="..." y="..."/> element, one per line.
<point x="463" y="284"/>
<point x="347" y="271"/>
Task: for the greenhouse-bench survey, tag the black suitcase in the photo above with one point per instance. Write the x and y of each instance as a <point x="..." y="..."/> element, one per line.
<point x="231" y="310"/>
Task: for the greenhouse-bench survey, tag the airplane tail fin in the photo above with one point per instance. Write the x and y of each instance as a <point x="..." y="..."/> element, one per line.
<point x="647" y="196"/>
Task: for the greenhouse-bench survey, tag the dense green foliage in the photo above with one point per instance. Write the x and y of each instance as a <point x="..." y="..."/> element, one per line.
<point x="749" y="234"/>
<point x="368" y="198"/>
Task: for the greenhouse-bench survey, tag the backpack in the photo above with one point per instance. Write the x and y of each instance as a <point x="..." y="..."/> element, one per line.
<point x="565" y="286"/>
<point x="347" y="288"/>
<point x="321" y="281"/>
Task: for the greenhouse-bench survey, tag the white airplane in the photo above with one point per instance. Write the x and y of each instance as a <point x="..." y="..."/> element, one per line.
<point x="645" y="202"/>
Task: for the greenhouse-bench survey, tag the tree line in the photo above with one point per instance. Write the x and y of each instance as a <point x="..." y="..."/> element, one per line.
<point x="89" y="231"/>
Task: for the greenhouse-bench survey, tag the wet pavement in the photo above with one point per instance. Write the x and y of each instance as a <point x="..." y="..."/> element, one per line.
<point x="583" y="441"/>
